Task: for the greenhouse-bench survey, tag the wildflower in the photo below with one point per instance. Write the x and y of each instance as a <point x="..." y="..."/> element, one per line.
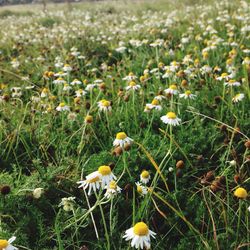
<point x="62" y="107"/>
<point x="106" y="175"/>
<point x="92" y="182"/>
<point x="133" y="86"/>
<point x="89" y="119"/>
<point x="187" y="95"/>
<point x="76" y="82"/>
<point x="122" y="139"/>
<point x="232" y="83"/>
<point x="171" y="118"/>
<point x="104" y="105"/>
<point x="145" y="177"/>
<point x="112" y="189"/>
<point x="223" y="76"/>
<point x="171" y="90"/>
<point x="140" y="235"/>
<point x="60" y="74"/>
<point x="142" y="190"/>
<point x="67" y="203"/>
<point x="72" y="116"/>
<point x="59" y="81"/>
<point x="6" y="244"/>
<point x="130" y="77"/>
<point x="240" y="193"/>
<point x="237" y="98"/>
<point x="16" y="92"/>
<point x="44" y="93"/>
<point x="90" y="86"/>
<point x="37" y="193"/>
<point x="15" y="63"/>
<point x="153" y="105"/>
<point x="80" y="92"/>
<point x="66" y="87"/>
<point x="67" y="68"/>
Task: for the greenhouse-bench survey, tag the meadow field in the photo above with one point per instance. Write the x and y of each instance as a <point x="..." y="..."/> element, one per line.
<point x="125" y="125"/>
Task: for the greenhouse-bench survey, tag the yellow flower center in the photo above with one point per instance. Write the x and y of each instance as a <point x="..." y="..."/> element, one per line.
<point x="104" y="170"/>
<point x="121" y="136"/>
<point x="112" y="185"/>
<point x="132" y="84"/>
<point x="141" y="229"/>
<point x="171" y="115"/>
<point x="155" y="102"/>
<point x="66" y="65"/>
<point x="3" y="244"/>
<point x="62" y="104"/>
<point x="224" y="74"/>
<point x="131" y="74"/>
<point x="231" y="81"/>
<point x="240" y="193"/>
<point x="145" y="174"/>
<point x="139" y="189"/>
<point x="188" y="92"/>
<point x="95" y="179"/>
<point x="45" y="90"/>
<point x="89" y="118"/>
<point x="105" y="103"/>
<point x="60" y="79"/>
<point x="173" y="86"/>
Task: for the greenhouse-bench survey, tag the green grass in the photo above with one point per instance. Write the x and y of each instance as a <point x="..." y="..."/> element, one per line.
<point x="41" y="147"/>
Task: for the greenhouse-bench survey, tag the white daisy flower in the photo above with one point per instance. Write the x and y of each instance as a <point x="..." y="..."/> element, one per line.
<point x="187" y="95"/>
<point x="239" y="97"/>
<point x="104" y="105"/>
<point x="90" y="86"/>
<point x="62" y="107"/>
<point x="153" y="105"/>
<point x="80" y="92"/>
<point x="129" y="77"/>
<point x="133" y="86"/>
<point x="7" y="244"/>
<point x="160" y="97"/>
<point x="223" y="76"/>
<point x="171" y="90"/>
<point x="145" y="177"/>
<point x="44" y="93"/>
<point x="106" y="175"/>
<point x="140" y="235"/>
<point x="59" y="81"/>
<point x="76" y="82"/>
<point x="232" y="83"/>
<point x="60" y="74"/>
<point x="67" y="68"/>
<point x="112" y="189"/>
<point x="142" y="190"/>
<point x="92" y="181"/>
<point x="171" y="118"/>
<point x="122" y="139"/>
<point x="66" y="87"/>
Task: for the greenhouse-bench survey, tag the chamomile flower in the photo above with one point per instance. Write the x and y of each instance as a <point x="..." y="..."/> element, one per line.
<point x="93" y="181"/>
<point x="223" y="76"/>
<point x="133" y="86"/>
<point x="90" y="86"/>
<point x="130" y="77"/>
<point x="171" y="90"/>
<point x="67" y="68"/>
<point x="187" y="95"/>
<point x="106" y="175"/>
<point x="80" y="92"/>
<point x="112" y="189"/>
<point x="153" y="105"/>
<point x="171" y="119"/>
<point x="145" y="177"/>
<point x="104" y="105"/>
<point x="62" y="107"/>
<point x="44" y="93"/>
<point x="76" y="82"/>
<point x="237" y="98"/>
<point x="7" y="244"/>
<point x="241" y="193"/>
<point x="60" y="74"/>
<point x="232" y="83"/>
<point x="122" y="139"/>
<point x="140" y="235"/>
<point x="142" y="190"/>
<point x="67" y="87"/>
<point x="59" y="81"/>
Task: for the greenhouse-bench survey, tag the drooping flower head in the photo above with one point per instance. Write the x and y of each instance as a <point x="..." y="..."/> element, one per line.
<point x="122" y="139"/>
<point x="106" y="175"/>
